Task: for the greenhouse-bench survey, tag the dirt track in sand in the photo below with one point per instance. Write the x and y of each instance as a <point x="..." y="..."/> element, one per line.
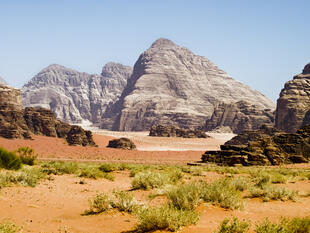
<point x="149" y="149"/>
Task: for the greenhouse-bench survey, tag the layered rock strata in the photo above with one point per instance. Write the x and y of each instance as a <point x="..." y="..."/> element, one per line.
<point x="172" y="85"/>
<point x="73" y="96"/>
<point x="263" y="147"/>
<point x="293" y="105"/>
<point x="174" y="131"/>
<point x="16" y="122"/>
<point x="240" y="116"/>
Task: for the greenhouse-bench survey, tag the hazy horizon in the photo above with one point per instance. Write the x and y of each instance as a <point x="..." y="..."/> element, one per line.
<point x="262" y="44"/>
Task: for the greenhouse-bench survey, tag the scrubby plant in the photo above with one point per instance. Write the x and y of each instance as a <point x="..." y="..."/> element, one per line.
<point x="271" y="192"/>
<point x="233" y="226"/>
<point x="285" y="225"/>
<point x="154" y="179"/>
<point x="60" y="168"/>
<point x="185" y="196"/>
<point x="26" y="154"/>
<point x="9" y="160"/>
<point x="164" y="217"/>
<point x="100" y="203"/>
<point x="8" y="227"/>
<point x="193" y="170"/>
<point x="223" y="193"/>
<point x="125" y="201"/>
<point x="108" y="167"/>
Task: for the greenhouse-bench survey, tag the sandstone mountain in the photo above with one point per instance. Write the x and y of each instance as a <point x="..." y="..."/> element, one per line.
<point x="73" y="96"/>
<point x="16" y="122"/>
<point x="293" y="105"/>
<point x="172" y="85"/>
<point x="2" y="81"/>
<point x="240" y="116"/>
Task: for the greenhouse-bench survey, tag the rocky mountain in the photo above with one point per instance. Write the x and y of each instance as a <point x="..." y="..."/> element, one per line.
<point x="293" y="105"/>
<point x="172" y="85"/>
<point x="16" y="122"/>
<point x="76" y="97"/>
<point x="240" y="116"/>
<point x="2" y="81"/>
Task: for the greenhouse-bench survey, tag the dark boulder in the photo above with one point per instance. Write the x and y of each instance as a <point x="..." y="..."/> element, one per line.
<point x="174" y="131"/>
<point x="122" y="143"/>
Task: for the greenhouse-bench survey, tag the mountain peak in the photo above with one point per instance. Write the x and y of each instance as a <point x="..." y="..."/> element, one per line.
<point x="306" y="69"/>
<point x="163" y="42"/>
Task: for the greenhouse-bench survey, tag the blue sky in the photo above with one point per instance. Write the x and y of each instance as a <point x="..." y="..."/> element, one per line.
<point x="261" y="43"/>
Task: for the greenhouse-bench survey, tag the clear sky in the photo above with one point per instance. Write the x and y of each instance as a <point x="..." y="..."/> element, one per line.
<point x="262" y="43"/>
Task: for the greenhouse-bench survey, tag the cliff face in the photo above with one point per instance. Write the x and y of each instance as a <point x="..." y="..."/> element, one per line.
<point x="240" y="116"/>
<point x="171" y="85"/>
<point x="16" y="122"/>
<point x="73" y="96"/>
<point x="293" y="105"/>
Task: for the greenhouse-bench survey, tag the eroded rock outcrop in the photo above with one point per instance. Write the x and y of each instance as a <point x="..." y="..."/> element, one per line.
<point x="76" y="97"/>
<point x="293" y="105"/>
<point x="16" y="122"/>
<point x="266" y="146"/>
<point x="174" y="131"/>
<point x="122" y="143"/>
<point x="171" y="85"/>
<point x="240" y="116"/>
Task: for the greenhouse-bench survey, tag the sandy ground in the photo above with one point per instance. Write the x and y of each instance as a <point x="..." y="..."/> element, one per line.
<point x="149" y="149"/>
<point x="56" y="205"/>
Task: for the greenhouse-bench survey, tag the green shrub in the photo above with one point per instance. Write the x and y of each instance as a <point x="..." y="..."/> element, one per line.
<point x="125" y="201"/>
<point x="25" y="177"/>
<point x="8" y="227"/>
<point x="26" y="155"/>
<point x="271" y="192"/>
<point x="186" y="196"/>
<point x="108" y="167"/>
<point x="193" y="170"/>
<point x="100" y="203"/>
<point x="154" y="179"/>
<point x="9" y="160"/>
<point x="233" y="226"/>
<point x="295" y="225"/>
<point x="223" y="193"/>
<point x="60" y="168"/>
<point x="164" y="218"/>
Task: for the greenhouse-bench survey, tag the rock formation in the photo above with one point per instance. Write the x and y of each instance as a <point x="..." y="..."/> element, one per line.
<point x="293" y="105"/>
<point x="16" y="122"/>
<point x="73" y="96"/>
<point x="122" y="143"/>
<point x="240" y="116"/>
<point x="174" y="131"/>
<point x="2" y="81"/>
<point x="266" y="146"/>
<point x="171" y="85"/>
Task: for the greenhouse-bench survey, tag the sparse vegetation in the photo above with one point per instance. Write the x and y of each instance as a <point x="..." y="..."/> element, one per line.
<point x="8" y="227"/>
<point x="165" y="217"/>
<point x="233" y="226"/>
<point x="285" y="225"/>
<point x="100" y="203"/>
<point x="26" y="154"/>
<point x="9" y="160"/>
<point x="125" y="201"/>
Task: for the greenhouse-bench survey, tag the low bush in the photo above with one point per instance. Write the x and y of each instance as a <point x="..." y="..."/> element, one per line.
<point x="60" y="168"/>
<point x="9" y="160"/>
<point x="285" y="225"/>
<point x="223" y="193"/>
<point x="233" y="226"/>
<point x="108" y="167"/>
<point x="125" y="201"/>
<point x="26" y="154"/>
<point x="186" y="196"/>
<point x="164" y="218"/>
<point x="8" y="227"/>
<point x="100" y="203"/>
<point x="154" y="179"/>
<point x="193" y="170"/>
<point x="271" y="192"/>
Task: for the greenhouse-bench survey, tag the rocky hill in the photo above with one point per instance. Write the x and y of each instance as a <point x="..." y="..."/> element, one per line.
<point x="240" y="116"/>
<point x="293" y="105"/>
<point x="2" y="81"/>
<point x="16" y="122"/>
<point x="172" y="85"/>
<point x="73" y="96"/>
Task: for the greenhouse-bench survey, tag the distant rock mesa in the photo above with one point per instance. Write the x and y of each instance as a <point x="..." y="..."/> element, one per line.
<point x="171" y="85"/>
<point x="293" y="105"/>
<point x="76" y="97"/>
